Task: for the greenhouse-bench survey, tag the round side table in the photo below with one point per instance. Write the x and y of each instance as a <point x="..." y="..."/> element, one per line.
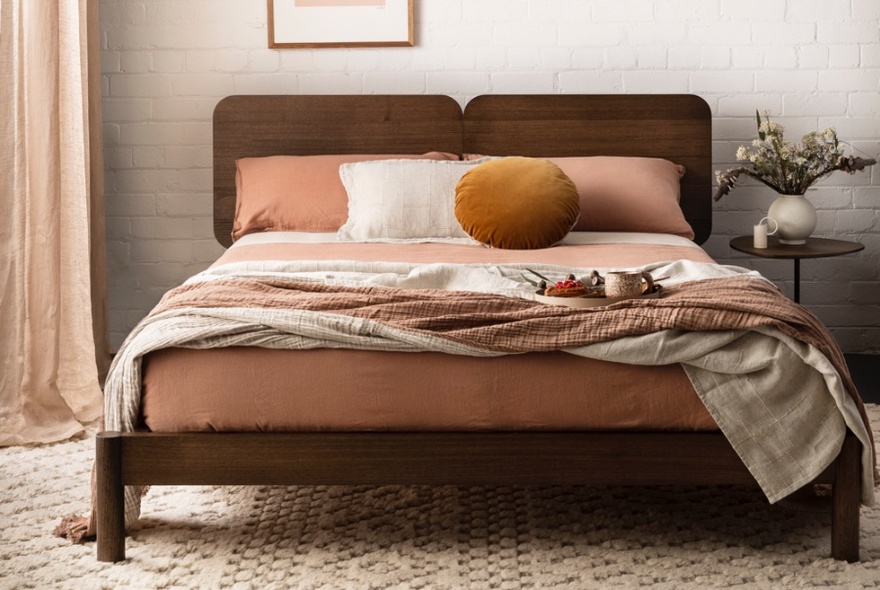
<point x="814" y="248"/>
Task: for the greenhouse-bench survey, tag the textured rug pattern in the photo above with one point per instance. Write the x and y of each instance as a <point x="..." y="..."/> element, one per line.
<point x="398" y="537"/>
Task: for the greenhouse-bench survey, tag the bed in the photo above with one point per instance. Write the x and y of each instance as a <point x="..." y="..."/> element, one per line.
<point x="382" y="427"/>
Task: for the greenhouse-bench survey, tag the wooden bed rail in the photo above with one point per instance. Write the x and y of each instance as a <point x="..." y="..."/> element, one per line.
<point x="445" y="458"/>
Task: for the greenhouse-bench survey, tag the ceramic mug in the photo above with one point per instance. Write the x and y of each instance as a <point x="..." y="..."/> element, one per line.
<point x="627" y="283"/>
<point x="761" y="233"/>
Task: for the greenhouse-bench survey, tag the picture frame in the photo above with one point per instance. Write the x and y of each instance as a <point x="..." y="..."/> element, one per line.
<point x="340" y="23"/>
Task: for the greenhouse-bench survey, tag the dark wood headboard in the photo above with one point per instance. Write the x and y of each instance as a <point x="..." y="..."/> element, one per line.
<point x="675" y="127"/>
<point x="254" y="126"/>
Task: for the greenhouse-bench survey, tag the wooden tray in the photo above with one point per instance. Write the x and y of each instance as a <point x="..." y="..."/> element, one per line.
<point x="594" y="301"/>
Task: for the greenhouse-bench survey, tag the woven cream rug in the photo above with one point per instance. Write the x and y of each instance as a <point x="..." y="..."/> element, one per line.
<point x="421" y="537"/>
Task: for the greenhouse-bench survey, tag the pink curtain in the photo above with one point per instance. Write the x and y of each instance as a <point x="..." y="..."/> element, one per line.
<point x="53" y="345"/>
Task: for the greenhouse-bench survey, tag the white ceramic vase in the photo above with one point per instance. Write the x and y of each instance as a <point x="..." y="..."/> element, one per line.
<point x="796" y="217"/>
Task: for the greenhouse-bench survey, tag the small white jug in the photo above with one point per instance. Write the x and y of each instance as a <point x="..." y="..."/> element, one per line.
<point x="761" y="233"/>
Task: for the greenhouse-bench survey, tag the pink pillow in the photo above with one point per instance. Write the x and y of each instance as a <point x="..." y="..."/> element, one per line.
<point x="298" y="193"/>
<point x="627" y="194"/>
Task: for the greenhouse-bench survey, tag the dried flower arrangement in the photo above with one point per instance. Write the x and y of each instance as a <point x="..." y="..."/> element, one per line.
<point x="789" y="168"/>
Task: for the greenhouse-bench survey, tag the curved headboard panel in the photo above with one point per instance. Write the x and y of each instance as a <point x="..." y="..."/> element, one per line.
<point x="675" y="127"/>
<point x="264" y="125"/>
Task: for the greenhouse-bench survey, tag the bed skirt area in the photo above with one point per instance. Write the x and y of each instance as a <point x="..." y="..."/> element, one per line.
<point x="251" y="389"/>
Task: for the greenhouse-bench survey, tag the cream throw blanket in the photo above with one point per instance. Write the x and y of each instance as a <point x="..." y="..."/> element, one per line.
<point x="780" y="401"/>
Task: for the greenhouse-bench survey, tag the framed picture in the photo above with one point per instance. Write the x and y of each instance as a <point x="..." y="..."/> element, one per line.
<point x="340" y="23"/>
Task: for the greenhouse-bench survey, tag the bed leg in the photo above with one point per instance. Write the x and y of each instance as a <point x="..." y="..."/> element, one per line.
<point x="110" y="505"/>
<point x="846" y="502"/>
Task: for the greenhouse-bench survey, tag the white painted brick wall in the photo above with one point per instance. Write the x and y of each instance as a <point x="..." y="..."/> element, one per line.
<point x="811" y="63"/>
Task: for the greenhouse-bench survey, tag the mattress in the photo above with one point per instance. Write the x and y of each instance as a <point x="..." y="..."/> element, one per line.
<point x="261" y="389"/>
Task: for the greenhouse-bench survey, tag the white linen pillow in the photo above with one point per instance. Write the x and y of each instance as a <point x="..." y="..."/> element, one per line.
<point x="402" y="199"/>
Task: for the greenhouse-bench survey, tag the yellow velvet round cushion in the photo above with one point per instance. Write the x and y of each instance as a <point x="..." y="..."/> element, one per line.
<point x="516" y="203"/>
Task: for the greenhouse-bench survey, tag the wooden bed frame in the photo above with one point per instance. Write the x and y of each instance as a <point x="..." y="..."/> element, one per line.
<point x="676" y="127"/>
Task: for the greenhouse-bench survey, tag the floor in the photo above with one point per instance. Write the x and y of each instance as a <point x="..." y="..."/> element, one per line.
<point x="865" y="370"/>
